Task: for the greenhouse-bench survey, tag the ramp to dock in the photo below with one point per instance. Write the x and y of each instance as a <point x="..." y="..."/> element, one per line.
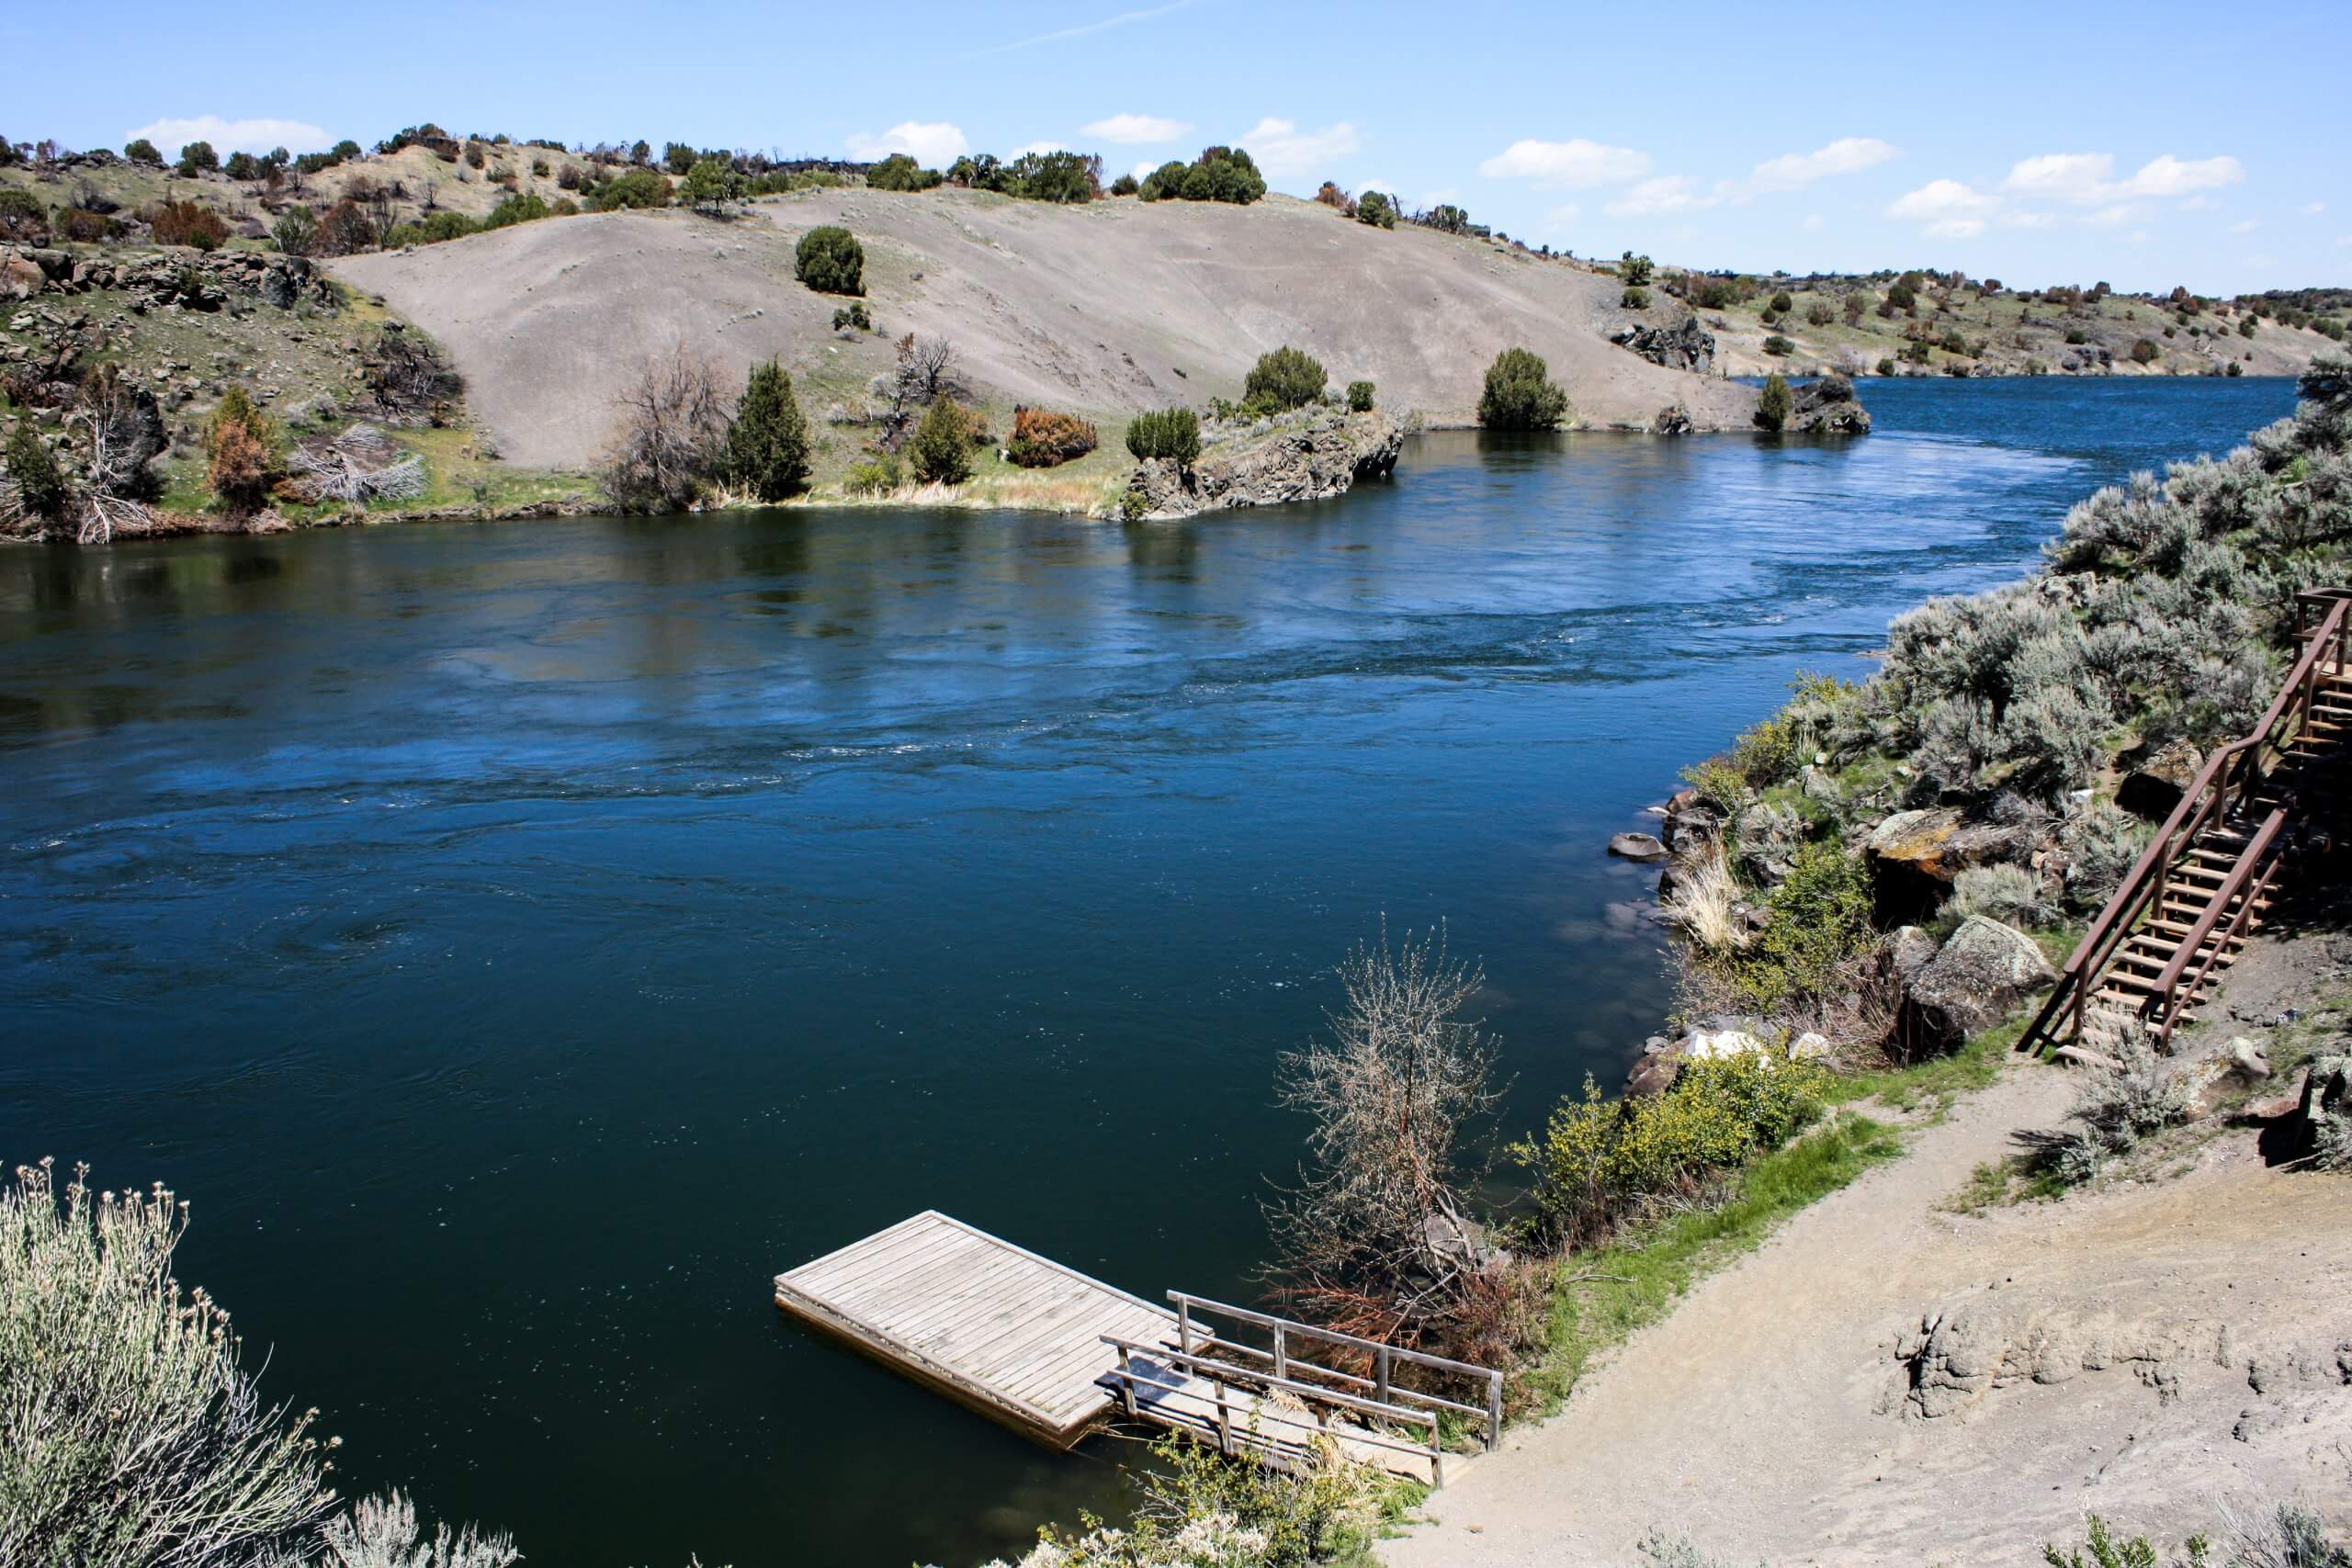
<point x="1015" y="1335"/>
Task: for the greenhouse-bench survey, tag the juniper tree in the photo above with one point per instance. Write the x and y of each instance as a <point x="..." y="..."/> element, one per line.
<point x="767" y="442"/>
<point x="1521" y="395"/>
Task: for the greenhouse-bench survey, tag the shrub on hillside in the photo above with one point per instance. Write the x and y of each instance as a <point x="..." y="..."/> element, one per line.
<point x="187" y="224"/>
<point x="830" y="260"/>
<point x="1783" y="304"/>
<point x="243" y="448"/>
<point x="1819" y="313"/>
<point x="1818" y="920"/>
<point x="2144" y="352"/>
<point x="899" y="172"/>
<point x="1777" y="346"/>
<point x="1377" y="209"/>
<point x="1174" y="433"/>
<point x="1219" y="174"/>
<point x="1359" y="396"/>
<point x="516" y="210"/>
<point x="1772" y="403"/>
<point x="1069" y="178"/>
<point x="636" y="188"/>
<point x="1285" y="378"/>
<point x="876" y="476"/>
<point x="22" y="217"/>
<point x="940" y="451"/>
<point x="296" y="232"/>
<point x="347" y="229"/>
<point x="852" y="318"/>
<point x="767" y="441"/>
<point x="1126" y="185"/>
<point x="1521" y="395"/>
<point x="710" y="183"/>
<point x="81" y="226"/>
<point x="1635" y="270"/>
<point x="198" y="158"/>
<point x="141" y="150"/>
<point x="1043" y="439"/>
<point x="1602" y="1161"/>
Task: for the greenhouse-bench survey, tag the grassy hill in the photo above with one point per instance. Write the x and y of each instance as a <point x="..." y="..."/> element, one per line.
<point x="1970" y="327"/>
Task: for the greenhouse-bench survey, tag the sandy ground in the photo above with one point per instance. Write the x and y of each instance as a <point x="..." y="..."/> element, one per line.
<point x="1107" y="309"/>
<point x="1771" y="1417"/>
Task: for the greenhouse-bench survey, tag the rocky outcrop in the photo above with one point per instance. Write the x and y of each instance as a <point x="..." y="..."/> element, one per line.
<point x="1686" y="345"/>
<point x="1308" y="456"/>
<point x="1825" y="407"/>
<point x="1637" y="846"/>
<point x="1982" y="974"/>
<point x="2155" y="785"/>
<point x="179" y="275"/>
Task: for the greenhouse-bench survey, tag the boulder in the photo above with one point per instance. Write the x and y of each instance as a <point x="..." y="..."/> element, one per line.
<point x="2212" y="1081"/>
<point x="2154" y="788"/>
<point x="1825" y="407"/>
<point x="1721" y="1044"/>
<point x="1905" y="951"/>
<point x="1637" y="846"/>
<point x="1980" y="977"/>
<point x="1916" y="841"/>
<point x="1306" y="456"/>
<point x="19" y="279"/>
<point x="1686" y="345"/>
<point x="1809" y="1048"/>
<point x="1672" y="420"/>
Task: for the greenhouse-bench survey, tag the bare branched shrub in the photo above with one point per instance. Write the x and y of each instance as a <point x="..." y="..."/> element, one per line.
<point x="1376" y="1238"/>
<point x="2289" y="1536"/>
<point x="130" y="1435"/>
<point x="672" y="438"/>
<point x="408" y="377"/>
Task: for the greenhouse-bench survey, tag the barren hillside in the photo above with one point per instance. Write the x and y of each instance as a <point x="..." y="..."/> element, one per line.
<point x="1107" y="309"/>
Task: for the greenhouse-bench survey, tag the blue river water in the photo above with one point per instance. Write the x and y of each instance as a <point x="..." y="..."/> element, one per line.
<point x="521" y="940"/>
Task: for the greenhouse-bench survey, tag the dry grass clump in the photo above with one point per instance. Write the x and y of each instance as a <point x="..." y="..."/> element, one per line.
<point x="1704" y="903"/>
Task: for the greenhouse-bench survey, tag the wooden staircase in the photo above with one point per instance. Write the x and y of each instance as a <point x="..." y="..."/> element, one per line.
<point x="2184" y="912"/>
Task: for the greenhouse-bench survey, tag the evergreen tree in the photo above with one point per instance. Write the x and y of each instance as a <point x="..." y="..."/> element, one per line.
<point x="1521" y="395"/>
<point x="39" y="482"/>
<point x="1772" y="403"/>
<point x="941" y="449"/>
<point x="767" y="442"/>
<point x="830" y="260"/>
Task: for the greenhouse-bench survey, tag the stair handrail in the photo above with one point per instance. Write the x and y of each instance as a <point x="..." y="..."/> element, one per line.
<point x="2244" y="761"/>
<point x="2163" y="1005"/>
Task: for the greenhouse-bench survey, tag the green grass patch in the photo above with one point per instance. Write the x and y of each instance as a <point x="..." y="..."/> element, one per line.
<point x="1603" y="1295"/>
<point x="1937" y="1080"/>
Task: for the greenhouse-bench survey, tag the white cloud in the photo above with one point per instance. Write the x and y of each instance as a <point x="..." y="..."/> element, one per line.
<point x="1082" y="29"/>
<point x="233" y="135"/>
<point x="932" y="145"/>
<point x="1668" y="193"/>
<point x="2169" y="176"/>
<point x="1577" y="162"/>
<point x="1847" y="155"/>
<point x="1028" y="147"/>
<point x="1279" y="147"/>
<point x="1138" y="129"/>
<point x="2118" y="215"/>
<point x="1955" y="227"/>
<point x="2314" y="208"/>
<point x="2072" y="177"/>
<point x="1560" y="216"/>
<point x="2245" y="226"/>
<point x="2138" y="236"/>
<point x="1942" y="201"/>
<point x="1813" y="222"/>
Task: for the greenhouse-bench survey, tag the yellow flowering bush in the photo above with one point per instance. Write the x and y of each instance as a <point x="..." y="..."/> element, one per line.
<point x="1598" y="1158"/>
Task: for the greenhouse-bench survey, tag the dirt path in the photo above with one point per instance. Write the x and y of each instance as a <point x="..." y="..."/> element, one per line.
<point x="1771" y="1416"/>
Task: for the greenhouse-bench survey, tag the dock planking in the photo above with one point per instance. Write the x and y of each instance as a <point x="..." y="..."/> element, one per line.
<point x="995" y="1326"/>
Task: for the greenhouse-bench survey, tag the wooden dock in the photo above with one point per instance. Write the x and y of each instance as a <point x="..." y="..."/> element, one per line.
<point x="1054" y="1353"/>
<point x="1015" y="1335"/>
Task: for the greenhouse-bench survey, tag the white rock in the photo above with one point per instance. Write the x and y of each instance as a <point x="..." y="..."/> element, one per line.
<point x="1809" y="1048"/>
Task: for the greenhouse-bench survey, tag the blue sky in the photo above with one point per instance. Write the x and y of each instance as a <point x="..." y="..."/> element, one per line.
<point x="2150" y="145"/>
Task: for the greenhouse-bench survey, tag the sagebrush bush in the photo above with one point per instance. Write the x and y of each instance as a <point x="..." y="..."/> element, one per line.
<point x="1521" y="395"/>
<point x="1043" y="439"/>
<point x="1599" y="1160"/>
<point x="2115" y="1111"/>
<point x="2013" y="895"/>
<point x="830" y="260"/>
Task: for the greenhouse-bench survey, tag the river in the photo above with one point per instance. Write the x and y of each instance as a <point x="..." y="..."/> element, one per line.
<point x="521" y="940"/>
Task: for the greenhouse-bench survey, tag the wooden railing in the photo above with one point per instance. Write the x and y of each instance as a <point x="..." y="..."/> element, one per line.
<point x="2224" y="789"/>
<point x="1285" y="1361"/>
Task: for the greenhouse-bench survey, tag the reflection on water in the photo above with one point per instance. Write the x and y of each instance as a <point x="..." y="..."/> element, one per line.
<point x="521" y="940"/>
